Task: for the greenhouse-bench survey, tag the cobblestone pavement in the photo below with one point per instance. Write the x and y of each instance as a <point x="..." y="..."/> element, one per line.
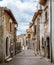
<point x="27" y="57"/>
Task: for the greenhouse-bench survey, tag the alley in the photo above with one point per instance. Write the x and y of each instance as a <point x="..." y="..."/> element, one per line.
<point x="27" y="57"/>
<point x="27" y="32"/>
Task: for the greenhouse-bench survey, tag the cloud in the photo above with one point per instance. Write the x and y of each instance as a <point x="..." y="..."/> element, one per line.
<point x="23" y="11"/>
<point x="3" y="3"/>
<point x="26" y="6"/>
<point x="23" y="26"/>
<point x="28" y="0"/>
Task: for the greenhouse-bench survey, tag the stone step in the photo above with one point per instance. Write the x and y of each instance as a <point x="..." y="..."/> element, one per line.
<point x="9" y="59"/>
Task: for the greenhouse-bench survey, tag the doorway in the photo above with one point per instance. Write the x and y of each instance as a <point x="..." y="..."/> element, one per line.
<point x="7" y="46"/>
<point x="48" y="47"/>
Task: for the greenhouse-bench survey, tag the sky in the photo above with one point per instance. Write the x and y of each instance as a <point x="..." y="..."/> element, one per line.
<point x="23" y="11"/>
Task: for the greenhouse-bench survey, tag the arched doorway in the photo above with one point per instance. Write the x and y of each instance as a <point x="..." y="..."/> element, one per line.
<point x="7" y="46"/>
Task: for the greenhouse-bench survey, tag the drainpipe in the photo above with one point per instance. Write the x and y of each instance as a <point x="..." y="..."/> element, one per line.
<point x="51" y="30"/>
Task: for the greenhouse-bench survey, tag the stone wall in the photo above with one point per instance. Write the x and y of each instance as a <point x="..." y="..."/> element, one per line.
<point x="1" y="42"/>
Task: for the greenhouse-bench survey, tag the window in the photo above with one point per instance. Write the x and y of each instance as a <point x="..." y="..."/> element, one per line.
<point x="46" y="15"/>
<point x="10" y="20"/>
<point x="29" y="35"/>
<point x="10" y="27"/>
<point x="34" y="29"/>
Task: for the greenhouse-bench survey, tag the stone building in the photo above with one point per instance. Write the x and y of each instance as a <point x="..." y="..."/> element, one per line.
<point x="36" y="27"/>
<point x="46" y="24"/>
<point x="33" y="26"/>
<point x="47" y="19"/>
<point x="21" y="41"/>
<point x="29" y="36"/>
<point x="8" y="25"/>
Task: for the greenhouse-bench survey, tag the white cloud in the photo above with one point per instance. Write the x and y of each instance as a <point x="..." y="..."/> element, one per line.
<point x="18" y="33"/>
<point x="23" y="26"/>
<point x="3" y="3"/>
<point x="26" y="5"/>
<point x="22" y="10"/>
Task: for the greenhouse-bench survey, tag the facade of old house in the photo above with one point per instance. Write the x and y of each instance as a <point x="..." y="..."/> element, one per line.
<point x="29" y="35"/>
<point x="8" y="25"/>
<point x="33" y="27"/>
<point x="47" y="19"/>
<point x="36" y="31"/>
<point x="21" y="41"/>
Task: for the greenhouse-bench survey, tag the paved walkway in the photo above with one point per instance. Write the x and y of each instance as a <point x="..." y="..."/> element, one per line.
<point x="27" y="57"/>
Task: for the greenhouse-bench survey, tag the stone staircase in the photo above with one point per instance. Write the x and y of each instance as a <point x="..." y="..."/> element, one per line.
<point x="7" y="59"/>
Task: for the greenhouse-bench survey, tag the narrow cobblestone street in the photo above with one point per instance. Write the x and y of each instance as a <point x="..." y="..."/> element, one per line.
<point x="27" y="57"/>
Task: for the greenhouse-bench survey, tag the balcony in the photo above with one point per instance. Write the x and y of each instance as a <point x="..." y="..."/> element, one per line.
<point x="42" y="2"/>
